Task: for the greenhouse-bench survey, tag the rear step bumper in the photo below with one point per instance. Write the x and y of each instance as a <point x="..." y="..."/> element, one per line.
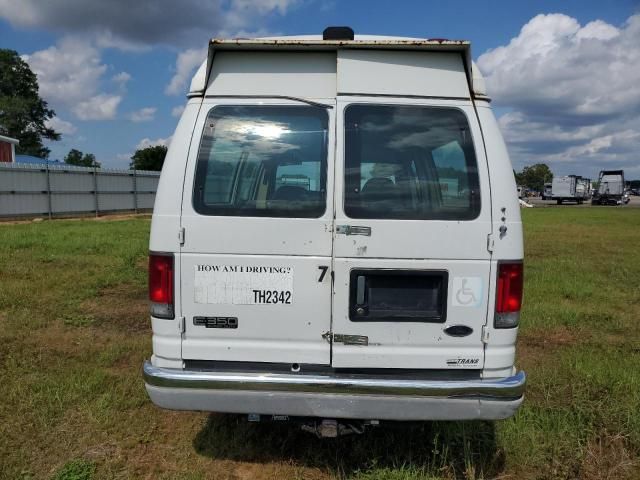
<point x="334" y="396"/>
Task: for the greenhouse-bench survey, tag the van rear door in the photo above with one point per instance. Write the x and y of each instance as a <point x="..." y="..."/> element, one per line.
<point x="411" y="262"/>
<point x="257" y="215"/>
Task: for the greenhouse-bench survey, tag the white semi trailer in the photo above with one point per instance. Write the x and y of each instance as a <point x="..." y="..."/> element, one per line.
<point x="569" y="188"/>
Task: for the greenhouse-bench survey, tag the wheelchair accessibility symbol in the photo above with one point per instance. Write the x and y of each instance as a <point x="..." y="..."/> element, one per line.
<point x="467" y="292"/>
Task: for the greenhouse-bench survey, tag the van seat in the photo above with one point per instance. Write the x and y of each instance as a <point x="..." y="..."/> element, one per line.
<point x="290" y="192"/>
<point x="379" y="188"/>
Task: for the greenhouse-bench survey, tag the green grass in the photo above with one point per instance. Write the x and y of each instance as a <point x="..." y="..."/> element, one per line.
<point x="76" y="470"/>
<point x="74" y="332"/>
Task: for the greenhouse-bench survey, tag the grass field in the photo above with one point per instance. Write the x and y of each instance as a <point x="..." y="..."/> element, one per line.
<point x="74" y="332"/>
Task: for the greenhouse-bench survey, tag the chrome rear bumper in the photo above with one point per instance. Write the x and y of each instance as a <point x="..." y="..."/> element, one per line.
<point x="334" y="395"/>
<point x="504" y="388"/>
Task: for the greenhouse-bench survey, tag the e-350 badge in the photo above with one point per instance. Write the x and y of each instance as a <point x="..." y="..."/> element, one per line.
<point x="216" y="322"/>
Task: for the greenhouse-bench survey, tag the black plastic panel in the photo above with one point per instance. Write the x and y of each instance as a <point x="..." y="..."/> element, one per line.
<point x="398" y="296"/>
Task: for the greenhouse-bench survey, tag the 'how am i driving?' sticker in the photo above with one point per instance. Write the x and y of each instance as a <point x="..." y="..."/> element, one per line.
<point x="243" y="284"/>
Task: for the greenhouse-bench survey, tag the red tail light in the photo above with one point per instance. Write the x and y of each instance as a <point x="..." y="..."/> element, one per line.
<point x="161" y="285"/>
<point x="509" y="294"/>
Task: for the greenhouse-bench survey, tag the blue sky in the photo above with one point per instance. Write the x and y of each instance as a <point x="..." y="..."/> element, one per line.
<point x="115" y="72"/>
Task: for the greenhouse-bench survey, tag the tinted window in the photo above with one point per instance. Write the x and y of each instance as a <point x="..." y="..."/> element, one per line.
<point x="409" y="162"/>
<point x="266" y="161"/>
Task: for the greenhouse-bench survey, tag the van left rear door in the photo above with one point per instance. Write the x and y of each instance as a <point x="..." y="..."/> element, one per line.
<point x="257" y="214"/>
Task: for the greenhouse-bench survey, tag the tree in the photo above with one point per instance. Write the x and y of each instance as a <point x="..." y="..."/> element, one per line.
<point x="518" y="177"/>
<point x="535" y="176"/>
<point x="77" y="158"/>
<point x="150" y="158"/>
<point x="23" y="114"/>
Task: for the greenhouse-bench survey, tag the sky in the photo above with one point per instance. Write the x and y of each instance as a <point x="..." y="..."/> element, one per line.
<point x="564" y="76"/>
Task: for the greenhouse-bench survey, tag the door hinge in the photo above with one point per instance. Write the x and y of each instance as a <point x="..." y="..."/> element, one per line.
<point x="485" y="334"/>
<point x="490" y="242"/>
<point x="181" y="236"/>
<point x="346" y="339"/>
<point x="353" y="230"/>
<point x="181" y="324"/>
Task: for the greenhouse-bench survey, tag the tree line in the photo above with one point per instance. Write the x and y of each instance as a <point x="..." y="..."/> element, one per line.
<point x="149" y="158"/>
<point x="534" y="176"/>
<point x="24" y="115"/>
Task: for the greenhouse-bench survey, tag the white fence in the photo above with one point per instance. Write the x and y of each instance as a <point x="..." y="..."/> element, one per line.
<point x="28" y="190"/>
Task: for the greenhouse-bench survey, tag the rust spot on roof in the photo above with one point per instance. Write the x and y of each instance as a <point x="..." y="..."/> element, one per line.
<point x="338" y="43"/>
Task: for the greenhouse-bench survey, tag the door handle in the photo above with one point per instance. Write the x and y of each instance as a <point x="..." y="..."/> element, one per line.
<point x="360" y="287"/>
<point x="353" y="230"/>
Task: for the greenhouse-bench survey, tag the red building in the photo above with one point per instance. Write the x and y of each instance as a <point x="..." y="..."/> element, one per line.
<point x="8" y="149"/>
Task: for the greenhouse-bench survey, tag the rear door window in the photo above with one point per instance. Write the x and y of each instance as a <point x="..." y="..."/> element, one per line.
<point x="263" y="161"/>
<point x="409" y="162"/>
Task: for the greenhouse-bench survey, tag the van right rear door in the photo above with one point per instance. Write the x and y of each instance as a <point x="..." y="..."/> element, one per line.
<point x="411" y="262"/>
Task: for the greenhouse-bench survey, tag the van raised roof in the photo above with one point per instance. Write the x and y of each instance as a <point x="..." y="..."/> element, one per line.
<point x="302" y="43"/>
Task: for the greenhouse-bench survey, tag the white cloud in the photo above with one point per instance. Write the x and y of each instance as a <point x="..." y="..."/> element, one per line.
<point x="147" y="142"/>
<point x="131" y="26"/>
<point x="135" y="26"/>
<point x="242" y="12"/>
<point x="70" y="74"/>
<point x="146" y="114"/>
<point x="573" y="93"/>
<point x="186" y="64"/>
<point x="105" y="38"/>
<point x="67" y="72"/>
<point x="98" y="107"/>
<point x="61" y="126"/>
<point x="121" y="79"/>
<point x="177" y="111"/>
<point x="597" y="30"/>
<point x="237" y="18"/>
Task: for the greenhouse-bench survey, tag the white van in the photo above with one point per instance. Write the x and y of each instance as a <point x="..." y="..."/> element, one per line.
<point x="336" y="234"/>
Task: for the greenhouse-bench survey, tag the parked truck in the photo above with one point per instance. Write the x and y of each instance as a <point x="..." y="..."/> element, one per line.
<point x="547" y="191"/>
<point x="583" y="187"/>
<point x="611" y="188"/>
<point x="569" y="188"/>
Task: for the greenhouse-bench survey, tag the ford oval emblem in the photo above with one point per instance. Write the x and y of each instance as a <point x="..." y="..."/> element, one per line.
<point x="458" y="330"/>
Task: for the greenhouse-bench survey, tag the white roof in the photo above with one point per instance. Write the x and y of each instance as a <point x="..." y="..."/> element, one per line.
<point x="9" y="140"/>
<point x="316" y="43"/>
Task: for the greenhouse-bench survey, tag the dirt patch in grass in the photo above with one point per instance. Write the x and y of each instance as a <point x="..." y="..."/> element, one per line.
<point x="62" y="344"/>
<point x="62" y="340"/>
<point x="250" y="471"/>
<point x="165" y="450"/>
<point x="607" y="457"/>
<point x="123" y="307"/>
<point x="538" y="351"/>
<point x="538" y="343"/>
<point x="121" y="216"/>
<point x="89" y="217"/>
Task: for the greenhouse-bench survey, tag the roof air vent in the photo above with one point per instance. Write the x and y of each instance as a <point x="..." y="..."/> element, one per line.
<point x="337" y="33"/>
